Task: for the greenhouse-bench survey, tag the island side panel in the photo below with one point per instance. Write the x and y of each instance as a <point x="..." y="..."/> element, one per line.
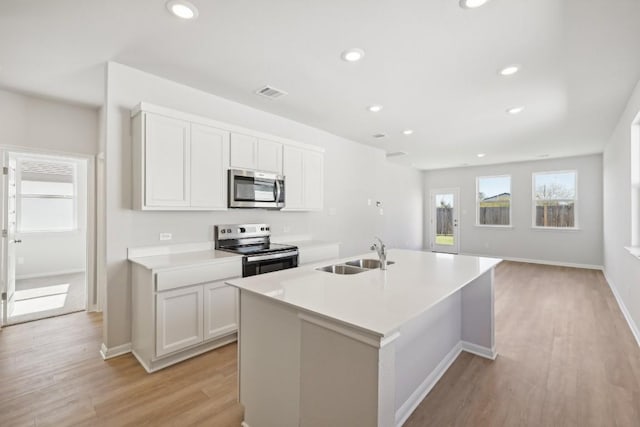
<point x="269" y="362"/>
<point x="478" y="332"/>
<point x="345" y="381"/>
<point x="427" y="346"/>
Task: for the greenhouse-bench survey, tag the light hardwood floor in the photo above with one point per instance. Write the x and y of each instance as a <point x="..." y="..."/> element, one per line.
<point x="566" y="358"/>
<point x="51" y="374"/>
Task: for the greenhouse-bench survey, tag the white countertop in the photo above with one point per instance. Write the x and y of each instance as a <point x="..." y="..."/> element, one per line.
<point x="184" y="259"/>
<point x="376" y="300"/>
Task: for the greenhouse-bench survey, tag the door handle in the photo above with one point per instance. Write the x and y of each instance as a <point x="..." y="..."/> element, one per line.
<point x="17" y="241"/>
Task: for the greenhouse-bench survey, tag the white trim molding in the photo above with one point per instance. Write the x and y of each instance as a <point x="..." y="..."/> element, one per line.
<point x="478" y="350"/>
<point x="109" y="353"/>
<point x="410" y="405"/>
<point x="623" y="308"/>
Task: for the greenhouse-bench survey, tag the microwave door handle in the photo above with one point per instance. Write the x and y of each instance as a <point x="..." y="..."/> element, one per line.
<point x="278" y="190"/>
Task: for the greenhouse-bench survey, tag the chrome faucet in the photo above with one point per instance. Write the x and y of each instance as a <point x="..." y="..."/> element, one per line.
<point x="381" y="249"/>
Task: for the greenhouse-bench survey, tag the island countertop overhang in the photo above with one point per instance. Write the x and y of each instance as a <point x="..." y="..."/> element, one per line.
<point x="376" y="301"/>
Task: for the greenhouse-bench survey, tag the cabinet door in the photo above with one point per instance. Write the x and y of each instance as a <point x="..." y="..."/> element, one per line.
<point x="244" y="151"/>
<point x="209" y="164"/>
<point x="167" y="161"/>
<point x="269" y="156"/>
<point x="313" y="180"/>
<point x="292" y="166"/>
<point x="179" y="319"/>
<point x="220" y="310"/>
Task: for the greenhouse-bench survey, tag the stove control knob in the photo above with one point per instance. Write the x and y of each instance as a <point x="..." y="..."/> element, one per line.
<point x="261" y="228"/>
<point x="242" y="229"/>
<point x="267" y="228"/>
<point x="228" y="230"/>
<point x="223" y="231"/>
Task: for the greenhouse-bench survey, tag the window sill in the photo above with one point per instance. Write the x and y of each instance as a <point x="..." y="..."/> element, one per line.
<point x="508" y="227"/>
<point x="634" y="250"/>
<point x="45" y="232"/>
<point x="562" y="229"/>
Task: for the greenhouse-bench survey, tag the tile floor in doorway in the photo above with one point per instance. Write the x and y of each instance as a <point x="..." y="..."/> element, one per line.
<point x="48" y="296"/>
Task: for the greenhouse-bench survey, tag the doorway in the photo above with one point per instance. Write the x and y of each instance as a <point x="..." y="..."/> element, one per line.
<point x="444" y="228"/>
<point x="44" y="228"/>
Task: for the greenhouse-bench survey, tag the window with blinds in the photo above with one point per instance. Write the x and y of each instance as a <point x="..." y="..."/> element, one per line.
<point x="47" y="196"/>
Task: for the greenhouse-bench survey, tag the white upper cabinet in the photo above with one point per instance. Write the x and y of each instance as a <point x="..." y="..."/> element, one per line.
<point x="244" y="151"/>
<point x="304" y="179"/>
<point x="269" y="156"/>
<point x="249" y="152"/>
<point x="293" y="178"/>
<point x="181" y="162"/>
<point x="209" y="164"/>
<point x="167" y="161"/>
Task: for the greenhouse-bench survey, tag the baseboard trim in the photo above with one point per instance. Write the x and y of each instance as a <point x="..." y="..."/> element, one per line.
<point x="623" y="308"/>
<point x="410" y="405"/>
<point x="542" y="261"/>
<point x="478" y="350"/>
<point x="243" y="424"/>
<point x="109" y="353"/>
<point x="51" y="273"/>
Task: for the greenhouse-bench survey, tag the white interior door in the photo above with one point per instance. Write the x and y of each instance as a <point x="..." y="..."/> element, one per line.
<point x="444" y="220"/>
<point x="8" y="237"/>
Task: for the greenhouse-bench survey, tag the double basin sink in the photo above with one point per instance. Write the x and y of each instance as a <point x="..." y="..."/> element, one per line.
<point x="353" y="267"/>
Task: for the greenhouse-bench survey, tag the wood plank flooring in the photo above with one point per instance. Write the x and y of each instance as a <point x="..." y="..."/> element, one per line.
<point x="52" y="374"/>
<point x="566" y="358"/>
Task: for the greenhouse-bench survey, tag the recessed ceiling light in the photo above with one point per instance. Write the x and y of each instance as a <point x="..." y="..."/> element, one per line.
<point x="352" y="55"/>
<point x="515" y="110"/>
<point x="375" y="108"/>
<point x="182" y="9"/>
<point x="542" y="156"/>
<point x="472" y="4"/>
<point x="407" y="131"/>
<point x="481" y="155"/>
<point x="509" y="70"/>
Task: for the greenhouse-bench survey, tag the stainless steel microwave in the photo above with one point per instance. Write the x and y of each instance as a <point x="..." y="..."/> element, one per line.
<point x="253" y="189"/>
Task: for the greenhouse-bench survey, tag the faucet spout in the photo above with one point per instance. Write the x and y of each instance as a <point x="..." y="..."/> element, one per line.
<point x="381" y="249"/>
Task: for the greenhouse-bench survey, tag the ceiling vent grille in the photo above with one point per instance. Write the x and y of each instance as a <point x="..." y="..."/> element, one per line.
<point x="271" y="92"/>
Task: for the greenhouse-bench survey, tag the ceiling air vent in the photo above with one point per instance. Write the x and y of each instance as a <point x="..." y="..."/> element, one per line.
<point x="396" y="154"/>
<point x="271" y="92"/>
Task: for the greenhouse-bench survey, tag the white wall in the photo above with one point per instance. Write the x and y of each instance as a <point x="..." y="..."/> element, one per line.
<point x="38" y="123"/>
<point x="582" y="247"/>
<point x="621" y="268"/>
<point x="45" y="254"/>
<point x="353" y="174"/>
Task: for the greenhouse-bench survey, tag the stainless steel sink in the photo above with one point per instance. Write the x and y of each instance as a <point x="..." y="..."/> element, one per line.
<point x="367" y="263"/>
<point x="342" y="269"/>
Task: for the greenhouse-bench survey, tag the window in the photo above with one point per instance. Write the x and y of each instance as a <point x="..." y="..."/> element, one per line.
<point x="554" y="199"/>
<point x="46" y="196"/>
<point x="494" y="200"/>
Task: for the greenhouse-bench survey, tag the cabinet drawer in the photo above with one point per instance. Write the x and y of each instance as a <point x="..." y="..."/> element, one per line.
<point x="195" y="275"/>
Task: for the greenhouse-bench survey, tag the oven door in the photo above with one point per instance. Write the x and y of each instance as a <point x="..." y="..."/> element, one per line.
<point x="252" y="189"/>
<point x="259" y="264"/>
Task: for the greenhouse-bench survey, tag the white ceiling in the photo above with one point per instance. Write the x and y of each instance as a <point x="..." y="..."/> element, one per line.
<point x="430" y="63"/>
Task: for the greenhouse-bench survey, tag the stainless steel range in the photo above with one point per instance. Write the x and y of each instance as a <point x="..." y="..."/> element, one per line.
<point x="253" y="241"/>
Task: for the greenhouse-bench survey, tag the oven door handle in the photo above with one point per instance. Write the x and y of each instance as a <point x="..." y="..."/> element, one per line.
<point x="272" y="256"/>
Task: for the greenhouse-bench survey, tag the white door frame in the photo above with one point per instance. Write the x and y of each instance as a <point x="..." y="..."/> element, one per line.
<point x="456" y="220"/>
<point x="90" y="261"/>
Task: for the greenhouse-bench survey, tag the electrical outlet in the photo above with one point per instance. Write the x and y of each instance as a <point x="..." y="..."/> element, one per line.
<point x="381" y="211"/>
<point x="368" y="202"/>
<point x="165" y="236"/>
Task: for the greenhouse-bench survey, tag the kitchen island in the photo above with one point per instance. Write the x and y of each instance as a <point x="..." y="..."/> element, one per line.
<point x="319" y="348"/>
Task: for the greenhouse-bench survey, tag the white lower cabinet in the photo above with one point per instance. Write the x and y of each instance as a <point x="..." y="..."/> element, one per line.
<point x="180" y="313"/>
<point x="179" y="319"/>
<point x="220" y="314"/>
